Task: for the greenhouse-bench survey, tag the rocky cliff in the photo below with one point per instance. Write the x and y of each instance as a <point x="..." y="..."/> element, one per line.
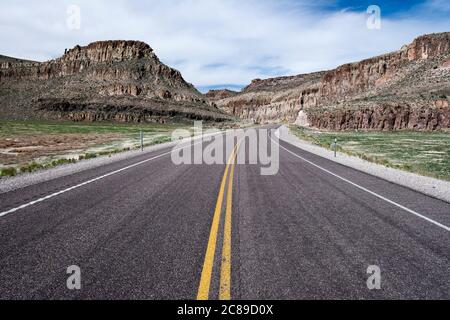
<point x="107" y="80"/>
<point x="409" y="88"/>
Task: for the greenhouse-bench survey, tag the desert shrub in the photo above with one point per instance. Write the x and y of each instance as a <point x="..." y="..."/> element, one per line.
<point x="90" y="156"/>
<point x="161" y="140"/>
<point x="407" y="167"/>
<point x="31" y="167"/>
<point x="59" y="162"/>
<point x="5" y="172"/>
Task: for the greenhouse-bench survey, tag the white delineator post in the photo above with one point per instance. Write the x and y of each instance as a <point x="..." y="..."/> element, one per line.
<point x="335" y="147"/>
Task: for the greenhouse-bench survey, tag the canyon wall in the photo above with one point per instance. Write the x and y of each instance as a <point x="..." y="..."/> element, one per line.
<point x="406" y="89"/>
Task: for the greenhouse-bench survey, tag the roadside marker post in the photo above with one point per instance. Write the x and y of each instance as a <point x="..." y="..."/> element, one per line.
<point x="142" y="140"/>
<point x="334" y="144"/>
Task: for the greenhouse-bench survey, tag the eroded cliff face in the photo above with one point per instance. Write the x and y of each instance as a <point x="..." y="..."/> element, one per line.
<point x="107" y="80"/>
<point x="409" y="88"/>
<point x="274" y="100"/>
<point x="390" y="116"/>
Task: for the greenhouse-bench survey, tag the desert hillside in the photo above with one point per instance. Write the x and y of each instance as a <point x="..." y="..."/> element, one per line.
<point x="109" y="80"/>
<point x="406" y="89"/>
<point x="214" y="95"/>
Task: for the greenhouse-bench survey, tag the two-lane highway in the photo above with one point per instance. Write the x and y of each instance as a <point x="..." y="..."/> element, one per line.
<point x="145" y="228"/>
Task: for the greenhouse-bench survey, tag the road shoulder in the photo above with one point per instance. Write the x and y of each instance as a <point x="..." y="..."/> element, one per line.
<point x="429" y="186"/>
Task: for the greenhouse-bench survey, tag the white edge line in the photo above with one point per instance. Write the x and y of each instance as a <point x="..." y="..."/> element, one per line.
<point x="2" y="214"/>
<point x="368" y="191"/>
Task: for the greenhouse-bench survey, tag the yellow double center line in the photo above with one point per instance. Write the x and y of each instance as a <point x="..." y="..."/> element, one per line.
<point x="225" y="272"/>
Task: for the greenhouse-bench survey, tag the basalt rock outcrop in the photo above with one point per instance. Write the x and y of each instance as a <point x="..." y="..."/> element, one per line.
<point x="108" y="80"/>
<point x="406" y="89"/>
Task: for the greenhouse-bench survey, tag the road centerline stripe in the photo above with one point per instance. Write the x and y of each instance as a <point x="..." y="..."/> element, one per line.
<point x="367" y="190"/>
<point x="205" y="279"/>
<point x="225" y="270"/>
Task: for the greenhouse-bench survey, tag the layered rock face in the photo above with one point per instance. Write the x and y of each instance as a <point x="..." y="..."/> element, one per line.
<point x="273" y="100"/>
<point x="214" y="95"/>
<point x="108" y="80"/>
<point x="406" y="89"/>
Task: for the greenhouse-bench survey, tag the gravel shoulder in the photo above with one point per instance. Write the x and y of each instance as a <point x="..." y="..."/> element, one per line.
<point x="436" y="188"/>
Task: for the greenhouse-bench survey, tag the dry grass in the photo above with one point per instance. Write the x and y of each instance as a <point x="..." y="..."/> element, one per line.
<point x="27" y="146"/>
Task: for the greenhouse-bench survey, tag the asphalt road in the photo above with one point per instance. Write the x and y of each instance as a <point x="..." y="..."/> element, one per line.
<point x="145" y="228"/>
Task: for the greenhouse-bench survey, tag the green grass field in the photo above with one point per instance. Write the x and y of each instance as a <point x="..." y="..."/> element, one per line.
<point x="425" y="153"/>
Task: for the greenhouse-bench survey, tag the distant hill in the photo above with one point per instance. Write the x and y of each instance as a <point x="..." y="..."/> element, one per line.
<point x="105" y="81"/>
<point x="220" y="94"/>
<point x="12" y="60"/>
<point x="405" y="89"/>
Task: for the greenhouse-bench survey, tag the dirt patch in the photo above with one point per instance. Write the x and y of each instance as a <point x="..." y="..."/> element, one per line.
<point x="446" y="64"/>
<point x="25" y="149"/>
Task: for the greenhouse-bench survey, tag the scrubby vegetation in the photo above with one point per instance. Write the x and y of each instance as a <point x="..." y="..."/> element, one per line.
<point x="426" y="153"/>
<point x="34" y="145"/>
<point x="8" y="172"/>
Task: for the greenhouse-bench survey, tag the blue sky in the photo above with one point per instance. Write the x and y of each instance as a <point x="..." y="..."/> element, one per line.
<point x="390" y="8"/>
<point x="224" y="43"/>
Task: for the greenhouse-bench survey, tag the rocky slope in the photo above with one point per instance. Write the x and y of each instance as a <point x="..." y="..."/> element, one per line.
<point x="109" y="80"/>
<point x="214" y="95"/>
<point x="406" y="89"/>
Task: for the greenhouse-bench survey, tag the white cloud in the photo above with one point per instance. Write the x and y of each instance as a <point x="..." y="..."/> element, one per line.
<point x="440" y="5"/>
<point x="213" y="41"/>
